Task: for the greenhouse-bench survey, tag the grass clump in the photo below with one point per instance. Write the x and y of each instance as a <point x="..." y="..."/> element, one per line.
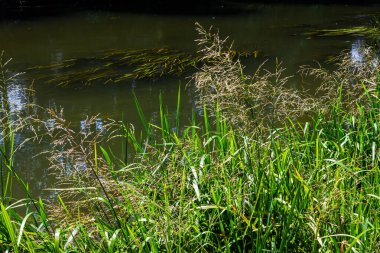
<point x="294" y="187"/>
<point x="248" y="102"/>
<point x="354" y="81"/>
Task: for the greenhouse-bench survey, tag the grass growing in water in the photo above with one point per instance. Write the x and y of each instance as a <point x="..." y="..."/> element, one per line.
<point x="304" y="187"/>
<point x="115" y="66"/>
<point x="364" y="31"/>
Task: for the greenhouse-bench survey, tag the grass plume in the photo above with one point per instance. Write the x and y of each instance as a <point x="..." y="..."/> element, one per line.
<point x="249" y="102"/>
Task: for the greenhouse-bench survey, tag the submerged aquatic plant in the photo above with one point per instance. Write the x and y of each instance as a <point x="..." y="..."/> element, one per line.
<point x="364" y="31"/>
<point x="114" y="66"/>
<point x="369" y="32"/>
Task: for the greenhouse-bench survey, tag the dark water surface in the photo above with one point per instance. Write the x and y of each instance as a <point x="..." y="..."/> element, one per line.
<point x="275" y="30"/>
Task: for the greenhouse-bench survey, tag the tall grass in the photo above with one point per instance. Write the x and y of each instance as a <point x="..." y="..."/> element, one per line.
<point x="250" y="102"/>
<point x="307" y="188"/>
<point x="301" y="187"/>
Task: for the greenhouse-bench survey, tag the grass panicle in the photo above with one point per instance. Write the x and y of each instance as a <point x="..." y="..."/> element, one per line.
<point x="248" y="102"/>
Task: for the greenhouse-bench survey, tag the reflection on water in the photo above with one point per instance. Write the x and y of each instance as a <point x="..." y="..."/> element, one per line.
<point x="17" y="95"/>
<point x="57" y="57"/>
<point x="273" y="29"/>
<point x="357" y="47"/>
<point x="50" y="123"/>
<point x="358" y="54"/>
<point x="99" y="125"/>
<point x="14" y="103"/>
<point x="17" y="98"/>
<point x="25" y="121"/>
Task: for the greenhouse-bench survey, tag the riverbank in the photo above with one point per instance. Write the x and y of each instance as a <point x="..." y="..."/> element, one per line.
<point x="229" y="182"/>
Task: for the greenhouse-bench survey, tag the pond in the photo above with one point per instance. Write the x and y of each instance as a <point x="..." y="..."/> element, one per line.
<point x="276" y="31"/>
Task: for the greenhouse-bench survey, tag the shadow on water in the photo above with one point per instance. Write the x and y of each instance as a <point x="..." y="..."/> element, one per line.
<point x="33" y="8"/>
<point x="11" y="9"/>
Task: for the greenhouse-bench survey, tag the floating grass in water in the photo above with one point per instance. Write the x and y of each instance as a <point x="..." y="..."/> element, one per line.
<point x="115" y="66"/>
<point x="368" y="32"/>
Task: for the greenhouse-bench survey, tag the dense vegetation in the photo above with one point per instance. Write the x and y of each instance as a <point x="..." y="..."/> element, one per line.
<point x="231" y="181"/>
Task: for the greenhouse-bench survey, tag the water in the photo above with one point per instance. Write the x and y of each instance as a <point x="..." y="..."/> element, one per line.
<point x="275" y="30"/>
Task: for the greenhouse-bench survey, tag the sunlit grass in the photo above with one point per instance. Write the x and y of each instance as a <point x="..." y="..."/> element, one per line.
<point x="307" y="188"/>
<point x="296" y="187"/>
